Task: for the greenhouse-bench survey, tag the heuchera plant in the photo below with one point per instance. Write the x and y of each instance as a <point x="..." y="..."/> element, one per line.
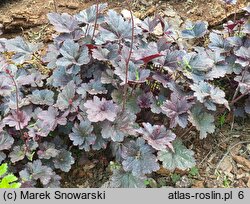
<point x="105" y="80"/>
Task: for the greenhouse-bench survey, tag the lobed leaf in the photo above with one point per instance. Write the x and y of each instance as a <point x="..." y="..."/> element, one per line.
<point x="181" y="158"/>
<point x="139" y="158"/>
<point x="157" y="136"/>
<point x="63" y="160"/>
<point x="6" y="141"/>
<point x="176" y="109"/>
<point x="63" y="23"/>
<point x="82" y="135"/>
<point x="123" y="179"/>
<point x="203" y="121"/>
<point x="195" y="30"/>
<point x="100" y="110"/>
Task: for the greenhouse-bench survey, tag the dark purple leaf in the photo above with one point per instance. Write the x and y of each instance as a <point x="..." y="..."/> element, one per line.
<point x="218" y="43"/>
<point x="145" y="100"/>
<point x="54" y="181"/>
<point x="247" y="105"/>
<point x="63" y="23"/>
<point x="181" y="158"/>
<point x="18" y="119"/>
<point x="135" y="73"/>
<point x="61" y="78"/>
<point x="243" y="55"/>
<point x="176" y="109"/>
<point x="63" y="160"/>
<point x="6" y="85"/>
<point x="157" y="136"/>
<point x="73" y="55"/>
<point x="94" y="87"/>
<point x="172" y="59"/>
<point x="66" y="97"/>
<point x="6" y="141"/>
<point x="51" y="118"/>
<point x="139" y="158"/>
<point x="42" y="97"/>
<point x="131" y="103"/>
<point x="88" y="15"/>
<point x="203" y="121"/>
<point x="149" y="24"/>
<point x="244" y="82"/>
<point x="123" y="179"/>
<point x="195" y="30"/>
<point x="116" y="26"/>
<point x="37" y="171"/>
<point x="82" y="135"/>
<point x="47" y="150"/>
<point x="100" y="143"/>
<point x="22" y="49"/>
<point x="123" y="126"/>
<point x="99" y="110"/>
<point x="51" y="56"/>
<point x="208" y="94"/>
<point x="18" y="153"/>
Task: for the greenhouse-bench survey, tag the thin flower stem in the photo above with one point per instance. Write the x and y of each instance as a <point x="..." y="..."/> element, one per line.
<point x="234" y="99"/>
<point x="238" y="98"/>
<point x="96" y="18"/>
<point x="236" y="92"/>
<point x="129" y="57"/>
<point x="87" y="30"/>
<point x="17" y="101"/>
<point x="187" y="131"/>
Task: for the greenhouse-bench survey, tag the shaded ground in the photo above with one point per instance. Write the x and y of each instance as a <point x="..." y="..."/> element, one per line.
<point x="223" y="159"/>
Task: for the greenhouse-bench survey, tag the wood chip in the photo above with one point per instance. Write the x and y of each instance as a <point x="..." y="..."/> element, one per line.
<point x="164" y="172"/>
<point x="198" y="184"/>
<point x="226" y="165"/>
<point x="241" y="160"/>
<point x="248" y="183"/>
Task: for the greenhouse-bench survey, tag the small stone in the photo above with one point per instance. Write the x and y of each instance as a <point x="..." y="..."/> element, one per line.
<point x="185" y="182"/>
<point x="70" y="5"/>
<point x="248" y="148"/>
<point x="158" y="30"/>
<point x="152" y="183"/>
<point x="207" y="145"/>
<point x="213" y="184"/>
<point x="162" y="181"/>
<point x="126" y="14"/>
<point x="236" y="149"/>
<point x="198" y="184"/>
<point x="248" y="183"/>
<point x="241" y="160"/>
<point x="169" y="12"/>
<point x="226" y="165"/>
<point x="239" y="176"/>
<point x="81" y="173"/>
<point x="240" y="184"/>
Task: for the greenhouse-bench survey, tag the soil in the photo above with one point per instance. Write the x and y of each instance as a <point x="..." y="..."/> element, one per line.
<point x="21" y="15"/>
<point x="223" y="159"/>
